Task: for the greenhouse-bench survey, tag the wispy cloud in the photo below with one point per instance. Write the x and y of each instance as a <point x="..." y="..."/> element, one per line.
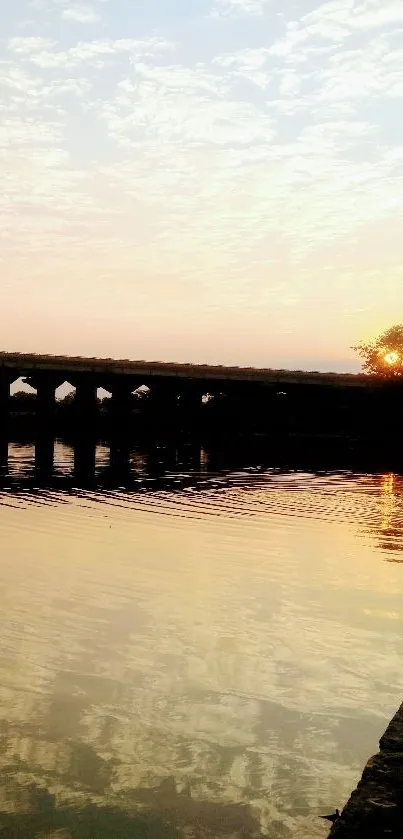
<point x="235" y="170"/>
<point x="47" y="54"/>
<point x="240" y="7"/>
<point x="81" y="13"/>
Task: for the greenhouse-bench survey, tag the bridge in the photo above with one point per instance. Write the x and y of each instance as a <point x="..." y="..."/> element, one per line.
<point x="109" y="371"/>
<point x="169" y="384"/>
<point x="251" y="399"/>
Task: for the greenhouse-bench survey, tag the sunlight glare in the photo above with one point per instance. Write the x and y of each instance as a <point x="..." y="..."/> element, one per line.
<point x="392" y="358"/>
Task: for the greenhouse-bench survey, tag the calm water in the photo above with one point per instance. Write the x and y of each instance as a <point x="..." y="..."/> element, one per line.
<point x="208" y="654"/>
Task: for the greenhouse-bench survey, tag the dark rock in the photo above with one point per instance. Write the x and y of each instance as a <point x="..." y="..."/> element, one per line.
<point x="392" y="740"/>
<point x="375" y="808"/>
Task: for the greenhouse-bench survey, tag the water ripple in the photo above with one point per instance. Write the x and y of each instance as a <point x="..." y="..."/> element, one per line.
<point x="195" y="653"/>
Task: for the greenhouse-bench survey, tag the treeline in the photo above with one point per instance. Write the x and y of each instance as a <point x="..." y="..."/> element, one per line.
<point x="146" y="414"/>
<point x="24" y="402"/>
<point x="316" y="412"/>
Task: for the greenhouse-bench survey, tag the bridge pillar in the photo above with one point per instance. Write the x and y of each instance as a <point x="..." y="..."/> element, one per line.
<point x="163" y="406"/>
<point x="257" y="408"/>
<point x="44" y="455"/>
<point x="189" y="408"/>
<point x="235" y="408"/>
<point x="85" y="431"/>
<point x="4" y="404"/>
<point x="86" y="405"/>
<point x="45" y="386"/>
<point x="119" y="462"/>
<point x="121" y="408"/>
<point x="120" y="423"/>
<point x="84" y="460"/>
<point x="45" y="403"/>
<point x="3" y="456"/>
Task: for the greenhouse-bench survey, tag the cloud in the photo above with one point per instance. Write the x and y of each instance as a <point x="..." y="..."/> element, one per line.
<point x="239" y="8"/>
<point x="249" y="64"/>
<point x="48" y="55"/>
<point x="81" y="13"/>
<point x="187" y="145"/>
<point x="30" y="45"/>
<point x="176" y="117"/>
<point x="238" y="169"/>
<point x="336" y="21"/>
<point x="353" y="15"/>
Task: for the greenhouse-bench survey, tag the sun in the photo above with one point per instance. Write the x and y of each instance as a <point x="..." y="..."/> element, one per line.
<point x="391" y="358"/>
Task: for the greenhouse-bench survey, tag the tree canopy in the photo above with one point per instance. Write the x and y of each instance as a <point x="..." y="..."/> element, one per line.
<point x="384" y="355"/>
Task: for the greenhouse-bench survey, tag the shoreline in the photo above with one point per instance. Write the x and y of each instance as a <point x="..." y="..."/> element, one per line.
<point x="375" y="808"/>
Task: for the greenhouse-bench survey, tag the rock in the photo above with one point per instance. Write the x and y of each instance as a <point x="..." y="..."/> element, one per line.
<point x="392" y="740"/>
<point x="375" y="808"/>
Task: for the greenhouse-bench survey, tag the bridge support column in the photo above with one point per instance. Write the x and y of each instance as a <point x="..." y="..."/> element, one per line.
<point x="3" y="456"/>
<point x="44" y="455"/>
<point x="254" y="408"/>
<point x="120" y="461"/>
<point x="45" y="405"/>
<point x="165" y="401"/>
<point x="84" y="460"/>
<point x="4" y="405"/>
<point x="121" y="409"/>
<point x="85" y="432"/>
<point x="86" y="407"/>
<point x="45" y="386"/>
<point x="120" y="425"/>
<point x="234" y="409"/>
<point x="190" y="408"/>
<point x="163" y="407"/>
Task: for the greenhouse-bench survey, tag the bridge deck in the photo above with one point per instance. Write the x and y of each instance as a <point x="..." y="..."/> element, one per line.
<point x="28" y="363"/>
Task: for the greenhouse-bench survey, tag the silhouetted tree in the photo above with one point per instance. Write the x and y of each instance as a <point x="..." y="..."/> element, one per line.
<point x="22" y="402"/>
<point x="384" y="355"/>
<point x="68" y="399"/>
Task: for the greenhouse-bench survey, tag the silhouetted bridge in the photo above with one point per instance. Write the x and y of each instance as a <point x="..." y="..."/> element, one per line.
<point x="251" y="398"/>
<point x="49" y="370"/>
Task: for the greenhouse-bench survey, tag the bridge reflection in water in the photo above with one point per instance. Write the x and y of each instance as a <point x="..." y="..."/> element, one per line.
<point x="178" y="463"/>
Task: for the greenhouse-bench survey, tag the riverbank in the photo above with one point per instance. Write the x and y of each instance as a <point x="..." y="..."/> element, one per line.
<point x="375" y="808"/>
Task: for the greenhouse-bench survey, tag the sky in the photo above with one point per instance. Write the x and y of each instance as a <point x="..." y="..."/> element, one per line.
<point x="212" y="181"/>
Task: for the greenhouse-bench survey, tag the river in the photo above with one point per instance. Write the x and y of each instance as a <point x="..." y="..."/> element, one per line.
<point x="200" y="652"/>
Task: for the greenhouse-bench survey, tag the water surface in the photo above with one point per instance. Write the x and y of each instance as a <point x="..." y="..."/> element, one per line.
<point x="208" y="653"/>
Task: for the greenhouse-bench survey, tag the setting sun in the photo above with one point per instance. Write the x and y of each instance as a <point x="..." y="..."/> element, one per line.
<point x="392" y="358"/>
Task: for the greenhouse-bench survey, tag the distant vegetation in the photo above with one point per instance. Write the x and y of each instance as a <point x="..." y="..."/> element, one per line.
<point x="24" y="402"/>
<point x="384" y="355"/>
<point x="145" y="412"/>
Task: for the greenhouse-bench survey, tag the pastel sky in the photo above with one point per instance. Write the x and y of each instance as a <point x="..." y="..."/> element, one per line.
<point x="201" y="180"/>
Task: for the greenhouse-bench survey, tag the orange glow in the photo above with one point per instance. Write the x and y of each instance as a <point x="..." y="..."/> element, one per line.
<point x="389" y="501"/>
<point x="388" y="482"/>
<point x="392" y="358"/>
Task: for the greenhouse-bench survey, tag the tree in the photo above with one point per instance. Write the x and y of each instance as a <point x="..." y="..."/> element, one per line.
<point x="384" y="355"/>
<point x="68" y="399"/>
<point x="22" y="402"/>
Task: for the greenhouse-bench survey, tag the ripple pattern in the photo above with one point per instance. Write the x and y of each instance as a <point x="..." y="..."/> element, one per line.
<point x="195" y="653"/>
